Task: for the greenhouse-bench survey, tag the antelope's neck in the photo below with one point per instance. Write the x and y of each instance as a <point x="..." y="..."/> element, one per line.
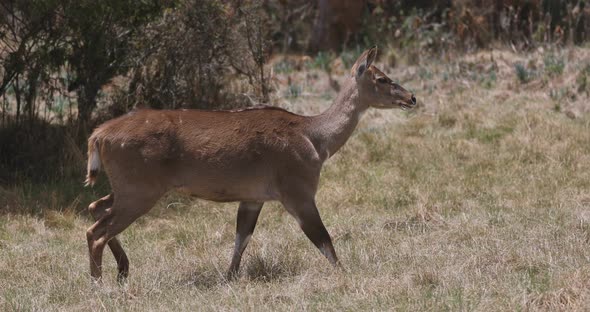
<point x="332" y="128"/>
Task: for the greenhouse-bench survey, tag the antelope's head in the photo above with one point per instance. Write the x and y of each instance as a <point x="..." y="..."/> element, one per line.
<point x="375" y="88"/>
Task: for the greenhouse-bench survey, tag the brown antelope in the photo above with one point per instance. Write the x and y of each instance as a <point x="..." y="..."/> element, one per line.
<point x="252" y="156"/>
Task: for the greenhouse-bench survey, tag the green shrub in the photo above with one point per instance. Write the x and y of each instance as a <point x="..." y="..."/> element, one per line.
<point x="322" y="61"/>
<point x="283" y="67"/>
<point x="522" y="73"/>
<point x="293" y="91"/>
<point x="350" y="56"/>
<point x="554" y="65"/>
<point x="582" y="80"/>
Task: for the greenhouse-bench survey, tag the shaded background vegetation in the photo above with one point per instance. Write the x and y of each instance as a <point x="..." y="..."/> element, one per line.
<point x="65" y="66"/>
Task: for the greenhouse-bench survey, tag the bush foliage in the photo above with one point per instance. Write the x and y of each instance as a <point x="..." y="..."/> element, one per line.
<point x="60" y="60"/>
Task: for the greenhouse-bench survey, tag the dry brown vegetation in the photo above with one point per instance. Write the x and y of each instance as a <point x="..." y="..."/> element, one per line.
<point x="478" y="201"/>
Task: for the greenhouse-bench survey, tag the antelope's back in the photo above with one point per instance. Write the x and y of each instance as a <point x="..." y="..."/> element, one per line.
<point x="213" y="145"/>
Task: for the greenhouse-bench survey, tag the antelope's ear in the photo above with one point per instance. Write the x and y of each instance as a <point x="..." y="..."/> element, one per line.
<point x="364" y="61"/>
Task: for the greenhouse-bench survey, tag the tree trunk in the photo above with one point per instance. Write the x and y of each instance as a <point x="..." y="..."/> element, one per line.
<point x="31" y="93"/>
<point x="86" y="104"/>
<point x="337" y="21"/>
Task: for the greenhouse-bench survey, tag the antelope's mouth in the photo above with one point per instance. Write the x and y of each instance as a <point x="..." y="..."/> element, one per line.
<point x="405" y="106"/>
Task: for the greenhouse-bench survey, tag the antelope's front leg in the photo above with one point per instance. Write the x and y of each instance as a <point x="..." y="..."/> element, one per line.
<point x="246" y="222"/>
<point x="308" y="217"/>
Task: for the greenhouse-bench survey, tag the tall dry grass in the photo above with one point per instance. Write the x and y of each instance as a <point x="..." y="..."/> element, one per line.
<point x="479" y="201"/>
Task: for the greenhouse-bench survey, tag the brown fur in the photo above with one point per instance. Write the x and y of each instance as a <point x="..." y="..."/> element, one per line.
<point x="250" y="155"/>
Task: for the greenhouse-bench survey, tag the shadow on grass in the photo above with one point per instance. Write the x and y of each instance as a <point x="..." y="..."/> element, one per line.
<point x="268" y="269"/>
<point x="257" y="269"/>
<point x="203" y="278"/>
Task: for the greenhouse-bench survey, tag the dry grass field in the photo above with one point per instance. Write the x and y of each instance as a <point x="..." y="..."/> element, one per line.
<point x="478" y="201"/>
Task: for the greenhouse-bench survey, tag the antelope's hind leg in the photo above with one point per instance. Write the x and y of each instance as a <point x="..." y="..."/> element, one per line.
<point x="97" y="210"/>
<point x="248" y="213"/>
<point x="112" y="221"/>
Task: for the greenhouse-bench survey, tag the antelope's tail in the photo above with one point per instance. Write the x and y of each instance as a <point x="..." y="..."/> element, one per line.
<point x="93" y="161"/>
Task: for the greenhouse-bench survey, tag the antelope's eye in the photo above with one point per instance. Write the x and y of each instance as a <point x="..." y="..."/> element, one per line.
<point x="382" y="80"/>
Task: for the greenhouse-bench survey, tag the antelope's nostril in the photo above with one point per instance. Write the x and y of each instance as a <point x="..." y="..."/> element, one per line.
<point x="413" y="99"/>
